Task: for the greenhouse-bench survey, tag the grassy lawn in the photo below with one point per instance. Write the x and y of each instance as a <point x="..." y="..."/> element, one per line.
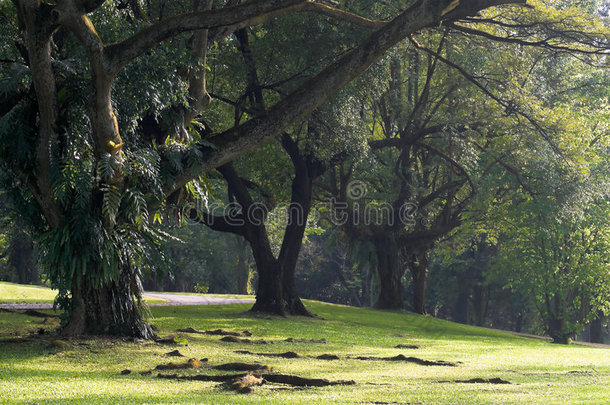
<point x="88" y="371"/>
<point x="28" y="294"/>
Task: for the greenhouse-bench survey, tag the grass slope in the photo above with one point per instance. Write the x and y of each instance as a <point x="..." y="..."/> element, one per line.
<point x="27" y="294"/>
<point x="89" y="371"/>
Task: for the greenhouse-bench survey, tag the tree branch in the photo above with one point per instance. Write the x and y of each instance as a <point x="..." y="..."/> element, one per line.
<point x="506" y="104"/>
<point x="541" y="43"/>
<point x="315" y="91"/>
<point x="250" y="13"/>
<point x="451" y="161"/>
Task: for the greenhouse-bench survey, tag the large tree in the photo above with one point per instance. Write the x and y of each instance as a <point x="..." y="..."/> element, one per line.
<point x="91" y="185"/>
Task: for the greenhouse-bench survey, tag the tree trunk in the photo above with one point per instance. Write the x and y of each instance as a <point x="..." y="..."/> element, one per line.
<point x="479" y="302"/>
<point x="557" y="330"/>
<point x="390" y="271"/>
<point x="597" y="329"/>
<point x="302" y="189"/>
<point x="114" y="308"/>
<point x="269" y="292"/>
<point x="418" y="267"/>
<point x="460" y="312"/>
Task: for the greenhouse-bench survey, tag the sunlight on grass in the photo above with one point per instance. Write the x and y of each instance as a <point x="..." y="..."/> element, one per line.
<point x="28" y="294"/>
<point x="89" y="372"/>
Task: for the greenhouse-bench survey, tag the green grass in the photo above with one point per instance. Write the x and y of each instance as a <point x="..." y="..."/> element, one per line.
<point x="28" y="294"/>
<point x="89" y="372"/>
<point x="18" y="294"/>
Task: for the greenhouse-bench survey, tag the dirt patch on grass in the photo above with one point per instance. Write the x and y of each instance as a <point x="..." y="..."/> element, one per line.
<point x="293" y="380"/>
<point x="414" y="360"/>
<point x="190" y="363"/>
<point x="285" y="355"/>
<point x="175" y="353"/>
<point x="242" y="367"/>
<point x="493" y="380"/>
<point x="216" y="332"/>
<point x="327" y="357"/>
<point x="235" y="339"/>
<point x="297" y="340"/>
<point x="407" y="347"/>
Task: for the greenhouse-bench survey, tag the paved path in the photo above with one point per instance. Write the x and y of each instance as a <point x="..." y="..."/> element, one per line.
<point x="172" y="299"/>
<point x="180" y="299"/>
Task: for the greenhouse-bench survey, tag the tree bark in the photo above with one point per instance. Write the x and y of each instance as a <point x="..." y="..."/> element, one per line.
<point x="390" y="271"/>
<point x="113" y="308"/>
<point x="597" y="329"/>
<point x="419" y="267"/>
<point x="460" y="312"/>
<point x="306" y="170"/>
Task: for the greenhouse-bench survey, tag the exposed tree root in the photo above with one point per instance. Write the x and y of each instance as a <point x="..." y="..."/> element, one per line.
<point x="494" y="380"/>
<point x="190" y="363"/>
<point x="217" y="332"/>
<point x="328" y="357"/>
<point x="415" y="360"/>
<point x="289" y="355"/>
<point x="168" y="341"/>
<point x="200" y="377"/>
<point x="297" y="381"/>
<point x="293" y="340"/>
<point x="288" y="379"/>
<point x="234" y="339"/>
<point x="175" y="353"/>
<point x="242" y="367"/>
<point x="407" y="347"/>
<point x="285" y="355"/>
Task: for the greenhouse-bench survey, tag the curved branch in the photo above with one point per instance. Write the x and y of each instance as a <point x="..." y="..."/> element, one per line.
<point x="508" y="105"/>
<point x="318" y="89"/>
<point x="451" y="161"/>
<point x="218" y="223"/>
<point x="239" y="16"/>
<point x="542" y="43"/>
<point x="342" y="15"/>
<point x="249" y="13"/>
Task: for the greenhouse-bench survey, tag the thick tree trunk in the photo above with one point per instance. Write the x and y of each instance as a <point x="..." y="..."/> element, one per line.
<point x="269" y="292"/>
<point x="113" y="308"/>
<point x="277" y="292"/>
<point x="556" y="322"/>
<point x="390" y="270"/>
<point x="302" y="189"/>
<point x="460" y="312"/>
<point x="479" y="301"/>
<point x="597" y="329"/>
<point x="418" y="268"/>
<point x="557" y="330"/>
